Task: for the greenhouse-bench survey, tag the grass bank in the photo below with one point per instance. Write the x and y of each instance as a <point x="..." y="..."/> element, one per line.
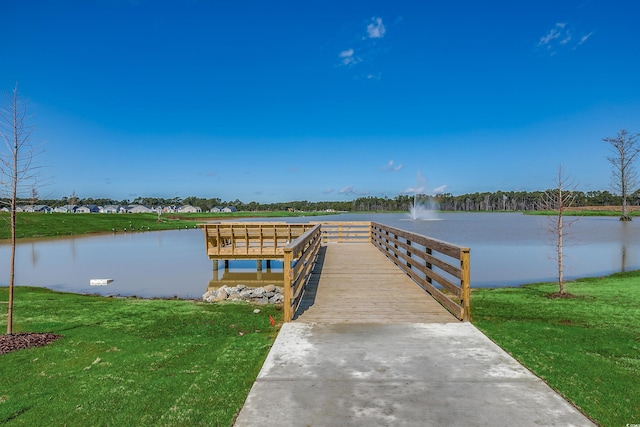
<point x="34" y="225"/>
<point x="131" y="361"/>
<point x="587" y="347"/>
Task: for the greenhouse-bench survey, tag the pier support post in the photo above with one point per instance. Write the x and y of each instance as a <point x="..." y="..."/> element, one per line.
<point x="215" y="269"/>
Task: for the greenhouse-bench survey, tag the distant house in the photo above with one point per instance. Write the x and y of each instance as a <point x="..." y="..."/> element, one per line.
<point x="229" y="209"/>
<point x="42" y="208"/>
<point x="170" y="209"/>
<point x="138" y="209"/>
<point x="189" y="209"/>
<point x="88" y="209"/>
<point x="110" y="209"/>
<point x="216" y="209"/>
<point x="66" y="209"/>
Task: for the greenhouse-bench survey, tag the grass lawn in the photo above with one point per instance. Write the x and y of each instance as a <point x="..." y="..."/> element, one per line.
<point x="33" y="225"/>
<point x="126" y="361"/>
<point x="587" y="348"/>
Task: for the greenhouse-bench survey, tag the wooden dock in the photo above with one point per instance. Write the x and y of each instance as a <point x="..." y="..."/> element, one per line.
<point x="356" y="283"/>
<point x="354" y="272"/>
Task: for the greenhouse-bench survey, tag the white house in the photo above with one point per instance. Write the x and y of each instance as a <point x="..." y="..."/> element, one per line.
<point x="66" y="209"/>
<point x="189" y="209"/>
<point x="138" y="209"/>
<point x="229" y="209"/>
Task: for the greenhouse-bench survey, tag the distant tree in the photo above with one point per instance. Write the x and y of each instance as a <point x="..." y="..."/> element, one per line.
<point x="17" y="171"/>
<point x="559" y="199"/>
<point x="624" y="147"/>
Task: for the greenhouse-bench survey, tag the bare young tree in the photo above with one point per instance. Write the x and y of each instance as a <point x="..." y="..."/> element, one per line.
<point x="17" y="172"/>
<point x="624" y="147"/>
<point x="559" y="199"/>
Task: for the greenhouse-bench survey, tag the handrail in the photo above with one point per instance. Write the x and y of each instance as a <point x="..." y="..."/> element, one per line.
<point x="299" y="259"/>
<point x="440" y="268"/>
<point x="346" y="232"/>
<point x="229" y="240"/>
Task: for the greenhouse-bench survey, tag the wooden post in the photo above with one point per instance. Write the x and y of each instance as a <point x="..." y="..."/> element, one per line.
<point x="215" y="270"/>
<point x="288" y="278"/>
<point x="466" y="284"/>
<point x="268" y="264"/>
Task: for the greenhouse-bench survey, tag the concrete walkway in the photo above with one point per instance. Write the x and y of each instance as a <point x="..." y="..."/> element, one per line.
<point x="414" y="374"/>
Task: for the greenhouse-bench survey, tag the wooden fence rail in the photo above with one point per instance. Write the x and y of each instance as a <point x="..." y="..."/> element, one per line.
<point x="299" y="259"/>
<point x="346" y="232"/>
<point x="440" y="268"/>
<point x="237" y="240"/>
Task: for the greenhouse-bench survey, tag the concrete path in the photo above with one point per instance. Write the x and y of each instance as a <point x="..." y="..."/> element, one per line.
<point x="414" y="374"/>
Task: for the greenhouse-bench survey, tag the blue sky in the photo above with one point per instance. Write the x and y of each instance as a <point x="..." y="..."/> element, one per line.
<point x="321" y="100"/>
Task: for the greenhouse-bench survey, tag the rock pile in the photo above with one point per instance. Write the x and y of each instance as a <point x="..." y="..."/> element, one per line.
<point x="269" y="294"/>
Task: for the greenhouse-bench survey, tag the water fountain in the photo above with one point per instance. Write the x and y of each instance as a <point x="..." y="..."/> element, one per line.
<point x="420" y="211"/>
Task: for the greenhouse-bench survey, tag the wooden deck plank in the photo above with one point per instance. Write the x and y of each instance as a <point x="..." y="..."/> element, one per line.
<point x="356" y="283"/>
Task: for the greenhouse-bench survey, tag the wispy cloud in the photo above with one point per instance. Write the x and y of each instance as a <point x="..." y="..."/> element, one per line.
<point x="560" y="36"/>
<point x="440" y="190"/>
<point x="392" y="167"/>
<point x="413" y="190"/>
<point x="376" y="29"/>
<point x="555" y="33"/>
<point x="365" y="46"/>
<point x="348" y="190"/>
<point x="348" y="57"/>
<point x="328" y="191"/>
<point x="584" y="39"/>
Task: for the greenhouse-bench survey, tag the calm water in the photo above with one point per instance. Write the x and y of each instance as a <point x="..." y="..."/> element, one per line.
<point x="506" y="249"/>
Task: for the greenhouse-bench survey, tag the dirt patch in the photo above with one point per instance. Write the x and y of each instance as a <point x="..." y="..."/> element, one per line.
<point x="15" y="342"/>
<point x="566" y="295"/>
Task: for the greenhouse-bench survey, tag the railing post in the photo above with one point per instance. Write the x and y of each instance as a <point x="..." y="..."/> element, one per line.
<point x="288" y="278"/>
<point x="465" y="282"/>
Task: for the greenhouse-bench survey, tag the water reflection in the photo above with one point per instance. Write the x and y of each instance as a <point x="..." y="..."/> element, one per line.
<point x="506" y="249"/>
<point x="264" y="272"/>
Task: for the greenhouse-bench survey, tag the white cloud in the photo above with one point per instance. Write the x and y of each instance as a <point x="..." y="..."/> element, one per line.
<point x="392" y="167"/>
<point x="348" y="57"/>
<point x="560" y="36"/>
<point x="376" y="29"/>
<point x="413" y="190"/>
<point x="440" y="190"/>
<point x="347" y="190"/>
<point x="584" y="39"/>
<point x="328" y="191"/>
<point x="553" y="34"/>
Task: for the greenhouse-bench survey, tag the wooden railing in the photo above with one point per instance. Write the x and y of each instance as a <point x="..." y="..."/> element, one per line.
<point x="346" y="232"/>
<point x="233" y="240"/>
<point x="299" y="259"/>
<point x="440" y="268"/>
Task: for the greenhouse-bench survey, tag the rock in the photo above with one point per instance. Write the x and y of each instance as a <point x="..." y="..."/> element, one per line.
<point x="222" y="295"/>
<point x="263" y="295"/>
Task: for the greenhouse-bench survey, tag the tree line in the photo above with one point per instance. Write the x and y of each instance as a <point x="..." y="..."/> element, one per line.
<point x="471" y="202"/>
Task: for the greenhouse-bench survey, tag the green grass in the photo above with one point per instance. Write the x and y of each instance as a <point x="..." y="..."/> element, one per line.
<point x="125" y="361"/>
<point x="586" y="212"/>
<point x="34" y="225"/>
<point x="587" y="348"/>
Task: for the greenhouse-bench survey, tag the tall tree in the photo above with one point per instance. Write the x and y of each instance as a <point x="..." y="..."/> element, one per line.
<point x="18" y="174"/>
<point x="625" y="149"/>
<point x="559" y="199"/>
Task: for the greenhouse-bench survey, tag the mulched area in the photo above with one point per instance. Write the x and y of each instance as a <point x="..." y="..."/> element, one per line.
<point x="23" y="341"/>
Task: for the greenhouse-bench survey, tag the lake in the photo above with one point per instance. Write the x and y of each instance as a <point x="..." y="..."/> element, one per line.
<point x="507" y="249"/>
